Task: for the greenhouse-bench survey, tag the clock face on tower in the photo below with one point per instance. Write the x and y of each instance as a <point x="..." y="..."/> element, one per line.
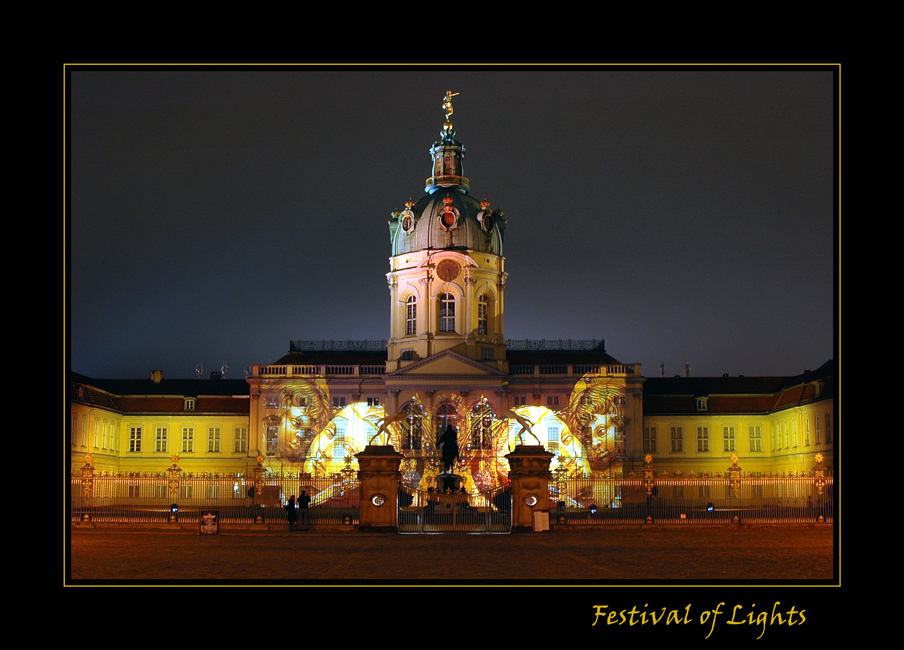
<point x="447" y="270"/>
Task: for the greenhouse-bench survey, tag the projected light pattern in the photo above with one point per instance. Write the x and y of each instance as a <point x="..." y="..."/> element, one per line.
<point x="305" y="432"/>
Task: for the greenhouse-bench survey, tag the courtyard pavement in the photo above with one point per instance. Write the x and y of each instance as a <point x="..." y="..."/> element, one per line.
<point x="619" y="555"/>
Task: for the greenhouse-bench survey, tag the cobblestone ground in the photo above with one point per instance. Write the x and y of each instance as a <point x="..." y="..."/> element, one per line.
<point x="773" y="554"/>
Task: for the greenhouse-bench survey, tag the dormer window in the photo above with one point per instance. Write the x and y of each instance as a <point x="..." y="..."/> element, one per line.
<point x="189" y="403"/>
<point x="701" y="403"/>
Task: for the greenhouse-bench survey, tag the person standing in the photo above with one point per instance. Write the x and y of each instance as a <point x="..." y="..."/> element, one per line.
<point x="291" y="514"/>
<point x="303" y="501"/>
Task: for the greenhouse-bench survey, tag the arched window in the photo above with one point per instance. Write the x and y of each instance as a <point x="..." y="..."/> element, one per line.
<point x="483" y="310"/>
<point x="446" y="312"/>
<point x="412" y="428"/>
<point x="446" y="415"/>
<point x="482" y="420"/>
<point x="411" y="316"/>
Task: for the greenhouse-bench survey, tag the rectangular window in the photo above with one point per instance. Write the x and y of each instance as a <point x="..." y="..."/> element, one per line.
<point x="271" y="400"/>
<point x="188" y="439"/>
<point x="520" y="400"/>
<point x="728" y="439"/>
<point x="213" y="491"/>
<point x="487" y="354"/>
<point x="159" y="491"/>
<point x="828" y="427"/>
<point x="185" y="491"/>
<point x="552" y="440"/>
<point x="339" y="443"/>
<point x="806" y="432"/>
<point x="373" y="401"/>
<point x="676" y="437"/>
<point x="135" y="491"/>
<point x="702" y="438"/>
<point x="338" y="402"/>
<point x="189" y="404"/>
<point x="160" y="439"/>
<point x="135" y="439"/>
<point x="552" y="400"/>
<point x="241" y="439"/>
<point x="213" y="439"/>
<point x="272" y="440"/>
<point x="818" y="437"/>
<point x="649" y="439"/>
<point x="756" y="439"/>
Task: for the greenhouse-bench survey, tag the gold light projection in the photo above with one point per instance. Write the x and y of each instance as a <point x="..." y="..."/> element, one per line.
<point x="306" y="432"/>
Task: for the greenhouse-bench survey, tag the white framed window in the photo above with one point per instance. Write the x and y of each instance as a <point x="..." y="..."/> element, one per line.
<point x="188" y="439"/>
<point x="189" y="403"/>
<point x="446" y="312"/>
<point x="241" y="439"/>
<point x="411" y="316"/>
<point x="649" y="439"/>
<point x="339" y="449"/>
<point x="728" y="439"/>
<point x="816" y="430"/>
<point x="806" y="432"/>
<point x="483" y="310"/>
<point x="213" y="439"/>
<point x="552" y="439"/>
<point x="702" y="438"/>
<point x="272" y="435"/>
<point x="755" y="435"/>
<point x="160" y="439"/>
<point x="135" y="439"/>
<point x="676" y="439"/>
<point x="702" y="403"/>
<point x="373" y="401"/>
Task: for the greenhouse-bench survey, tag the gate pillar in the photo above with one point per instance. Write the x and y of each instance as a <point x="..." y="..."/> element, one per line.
<point x="529" y="473"/>
<point x="379" y="475"/>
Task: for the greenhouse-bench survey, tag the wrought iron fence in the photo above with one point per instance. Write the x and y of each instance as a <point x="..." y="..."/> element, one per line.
<point x="434" y="512"/>
<point x="145" y="498"/>
<point x="618" y="500"/>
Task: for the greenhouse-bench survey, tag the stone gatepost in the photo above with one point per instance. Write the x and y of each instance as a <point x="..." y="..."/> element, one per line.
<point x="529" y="473"/>
<point x="379" y="475"/>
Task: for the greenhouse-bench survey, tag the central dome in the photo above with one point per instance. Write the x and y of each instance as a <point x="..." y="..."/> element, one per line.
<point x="447" y="218"/>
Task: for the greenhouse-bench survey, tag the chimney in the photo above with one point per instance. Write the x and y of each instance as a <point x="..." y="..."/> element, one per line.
<point x="156" y="376"/>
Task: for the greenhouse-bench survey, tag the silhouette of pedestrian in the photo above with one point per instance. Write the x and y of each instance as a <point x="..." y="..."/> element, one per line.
<point x="303" y="501"/>
<point x="290" y="513"/>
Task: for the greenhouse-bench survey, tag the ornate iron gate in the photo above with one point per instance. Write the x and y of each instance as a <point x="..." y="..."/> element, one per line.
<point x="436" y="512"/>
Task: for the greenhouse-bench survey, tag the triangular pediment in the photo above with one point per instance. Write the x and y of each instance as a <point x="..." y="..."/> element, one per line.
<point x="447" y="364"/>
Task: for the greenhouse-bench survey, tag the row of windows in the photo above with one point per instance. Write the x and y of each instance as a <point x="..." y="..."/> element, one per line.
<point x="784" y="436"/>
<point x="446" y="322"/>
<point x="161" y="439"/>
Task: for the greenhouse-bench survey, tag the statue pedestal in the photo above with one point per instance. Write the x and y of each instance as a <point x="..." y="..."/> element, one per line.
<point x="379" y="476"/>
<point x="448" y="482"/>
<point x="530" y="475"/>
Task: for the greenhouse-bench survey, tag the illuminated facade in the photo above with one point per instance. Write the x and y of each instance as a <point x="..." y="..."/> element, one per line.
<point x="447" y="363"/>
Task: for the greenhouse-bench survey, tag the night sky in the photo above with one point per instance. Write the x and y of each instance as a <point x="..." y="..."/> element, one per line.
<point x="681" y="214"/>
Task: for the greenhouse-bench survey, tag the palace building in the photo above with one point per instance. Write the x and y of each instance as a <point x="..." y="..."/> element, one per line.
<point x="447" y="363"/>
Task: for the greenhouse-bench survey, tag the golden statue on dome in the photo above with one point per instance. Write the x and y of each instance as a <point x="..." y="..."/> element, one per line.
<point x="447" y="104"/>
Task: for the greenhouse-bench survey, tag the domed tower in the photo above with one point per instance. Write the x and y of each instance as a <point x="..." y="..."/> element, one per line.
<point x="447" y="273"/>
